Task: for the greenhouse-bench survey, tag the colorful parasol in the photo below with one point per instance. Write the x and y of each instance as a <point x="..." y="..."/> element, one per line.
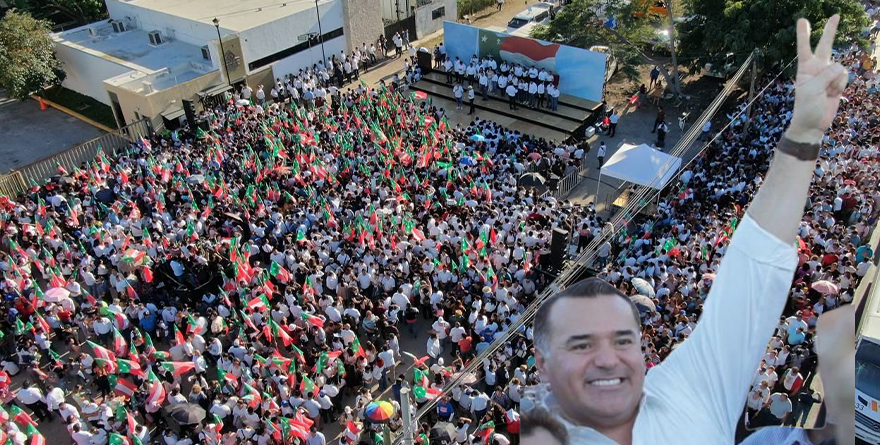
<point x="378" y="412"/>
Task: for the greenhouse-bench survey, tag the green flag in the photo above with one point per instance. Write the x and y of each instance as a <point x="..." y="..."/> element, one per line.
<point x="322" y="361"/>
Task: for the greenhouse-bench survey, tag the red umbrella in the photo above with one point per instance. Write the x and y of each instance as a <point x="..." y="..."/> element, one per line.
<point x="534" y="155"/>
<point x="849" y="182"/>
<point x="420" y="95"/>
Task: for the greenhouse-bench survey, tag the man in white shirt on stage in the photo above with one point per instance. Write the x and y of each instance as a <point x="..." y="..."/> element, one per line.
<point x="588" y="337"/>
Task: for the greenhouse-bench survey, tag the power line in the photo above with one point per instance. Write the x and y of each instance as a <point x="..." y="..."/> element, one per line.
<point x="589" y="254"/>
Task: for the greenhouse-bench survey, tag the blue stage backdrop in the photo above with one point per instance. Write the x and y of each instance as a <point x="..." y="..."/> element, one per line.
<point x="581" y="72"/>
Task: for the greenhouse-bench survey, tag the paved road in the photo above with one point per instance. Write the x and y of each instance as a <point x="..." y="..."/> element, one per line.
<point x="29" y="134"/>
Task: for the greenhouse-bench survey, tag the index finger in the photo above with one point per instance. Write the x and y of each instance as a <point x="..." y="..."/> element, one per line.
<point x="823" y="50"/>
<point x="804" y="51"/>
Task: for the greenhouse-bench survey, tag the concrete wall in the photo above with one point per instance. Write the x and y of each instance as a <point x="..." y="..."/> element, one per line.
<point x="86" y="72"/>
<point x="363" y="22"/>
<point x="301" y="60"/>
<point x="425" y="24"/>
<point x="282" y="33"/>
<point x="262" y="76"/>
<point x="153" y="104"/>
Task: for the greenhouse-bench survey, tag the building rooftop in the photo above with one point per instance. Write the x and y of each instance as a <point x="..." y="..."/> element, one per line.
<point x="131" y="48"/>
<point x="234" y="15"/>
<point x="164" y="66"/>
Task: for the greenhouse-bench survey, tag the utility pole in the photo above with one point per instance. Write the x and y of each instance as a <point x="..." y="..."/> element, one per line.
<point x="320" y="34"/>
<point x="751" y="91"/>
<point x="676" y="87"/>
<point x="406" y="415"/>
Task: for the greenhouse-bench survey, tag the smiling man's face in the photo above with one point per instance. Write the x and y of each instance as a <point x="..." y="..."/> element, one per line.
<point x="595" y="366"/>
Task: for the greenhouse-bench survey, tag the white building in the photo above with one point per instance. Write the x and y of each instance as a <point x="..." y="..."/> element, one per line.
<point x="151" y="54"/>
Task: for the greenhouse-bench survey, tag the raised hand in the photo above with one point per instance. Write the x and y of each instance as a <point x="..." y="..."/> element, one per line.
<point x="819" y="86"/>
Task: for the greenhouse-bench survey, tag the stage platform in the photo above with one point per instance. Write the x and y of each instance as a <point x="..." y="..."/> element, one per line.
<point x="572" y="114"/>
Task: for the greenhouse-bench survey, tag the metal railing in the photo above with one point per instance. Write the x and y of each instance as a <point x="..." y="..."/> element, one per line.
<point x="570" y="181"/>
<point x="19" y="180"/>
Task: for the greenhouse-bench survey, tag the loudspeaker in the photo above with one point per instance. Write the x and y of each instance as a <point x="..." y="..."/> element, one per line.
<point x="190" y="112"/>
<point x="424" y="60"/>
<point x="557" y="249"/>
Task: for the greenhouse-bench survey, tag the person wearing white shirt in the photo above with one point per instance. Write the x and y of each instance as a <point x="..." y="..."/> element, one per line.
<point x="458" y="92"/>
<point x="607" y="398"/>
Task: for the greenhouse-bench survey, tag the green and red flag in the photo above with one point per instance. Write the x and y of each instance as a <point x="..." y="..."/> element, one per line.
<point x="307" y="386"/>
<point x="157" y="391"/>
<point x="119" y="346"/>
<point x="178" y="368"/>
<point x="227" y="378"/>
<point x="485" y="431"/>
<point x="259" y="303"/>
<point x="129" y="367"/>
<point x="357" y="348"/>
<point x="313" y="320"/>
<point x="278" y="271"/>
<point x="36" y="437"/>
<point x="20" y="416"/>
<point x="118" y="439"/>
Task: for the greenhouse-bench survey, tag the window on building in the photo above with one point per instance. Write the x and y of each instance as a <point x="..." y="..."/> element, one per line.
<point x="304" y="46"/>
<point x="438" y="13"/>
<point x="424" y="2"/>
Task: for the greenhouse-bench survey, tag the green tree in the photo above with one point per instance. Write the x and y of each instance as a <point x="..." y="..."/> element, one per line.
<point x="27" y="56"/>
<point x="80" y="12"/>
<point x="720" y="27"/>
<point x="582" y="24"/>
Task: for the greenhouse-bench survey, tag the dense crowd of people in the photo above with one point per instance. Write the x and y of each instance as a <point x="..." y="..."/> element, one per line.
<point x="266" y="270"/>
<point x="673" y="255"/>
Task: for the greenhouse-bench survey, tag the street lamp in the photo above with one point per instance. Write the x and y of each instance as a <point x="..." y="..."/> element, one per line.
<point x="320" y="33"/>
<point x="222" y="51"/>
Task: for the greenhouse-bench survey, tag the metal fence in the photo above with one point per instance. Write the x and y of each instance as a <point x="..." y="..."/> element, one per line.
<point x="17" y="181"/>
<point x="569" y="182"/>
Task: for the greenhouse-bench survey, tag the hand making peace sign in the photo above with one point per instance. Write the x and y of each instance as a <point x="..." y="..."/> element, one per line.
<point x="820" y="83"/>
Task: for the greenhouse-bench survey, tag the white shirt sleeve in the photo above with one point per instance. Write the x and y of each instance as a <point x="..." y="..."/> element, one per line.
<point x="710" y="373"/>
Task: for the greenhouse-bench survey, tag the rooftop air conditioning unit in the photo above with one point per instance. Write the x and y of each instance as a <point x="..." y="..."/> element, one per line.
<point x="206" y="54"/>
<point x="155" y="38"/>
<point x="118" y="27"/>
<point x="148" y="87"/>
<point x="92" y="31"/>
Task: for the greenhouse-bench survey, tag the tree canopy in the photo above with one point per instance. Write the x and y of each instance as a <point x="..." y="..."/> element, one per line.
<point x="59" y="12"/>
<point x="582" y="23"/>
<point x="27" y="56"/>
<point x="719" y="27"/>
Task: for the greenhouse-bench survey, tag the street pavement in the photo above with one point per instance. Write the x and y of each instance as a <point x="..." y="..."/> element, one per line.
<point x="30" y="134"/>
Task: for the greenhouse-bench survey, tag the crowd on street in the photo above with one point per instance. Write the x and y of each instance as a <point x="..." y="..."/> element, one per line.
<point x="265" y="271"/>
<point x="671" y="258"/>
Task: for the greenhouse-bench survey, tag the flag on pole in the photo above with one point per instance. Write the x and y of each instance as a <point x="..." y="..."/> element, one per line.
<point x="157" y="391"/>
<point x="36" y="437"/>
<point x="129" y="367"/>
<point x="178" y="368"/>
<point x="125" y="387"/>
<point x="119" y="346"/>
<point x="21" y="416"/>
<point x="313" y="320"/>
<point x="259" y="303"/>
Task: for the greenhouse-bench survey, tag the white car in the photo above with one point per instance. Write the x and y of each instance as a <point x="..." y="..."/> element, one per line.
<point x="537" y="13"/>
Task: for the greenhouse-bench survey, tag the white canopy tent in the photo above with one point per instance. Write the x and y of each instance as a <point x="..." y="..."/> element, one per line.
<point x="640" y="164"/>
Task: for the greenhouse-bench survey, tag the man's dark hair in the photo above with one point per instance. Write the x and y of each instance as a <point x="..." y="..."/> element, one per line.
<point x="536" y="418"/>
<point x="589" y="288"/>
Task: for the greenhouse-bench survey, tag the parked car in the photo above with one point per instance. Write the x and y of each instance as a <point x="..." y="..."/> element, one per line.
<point x="721" y="70"/>
<point x="537" y="13"/>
